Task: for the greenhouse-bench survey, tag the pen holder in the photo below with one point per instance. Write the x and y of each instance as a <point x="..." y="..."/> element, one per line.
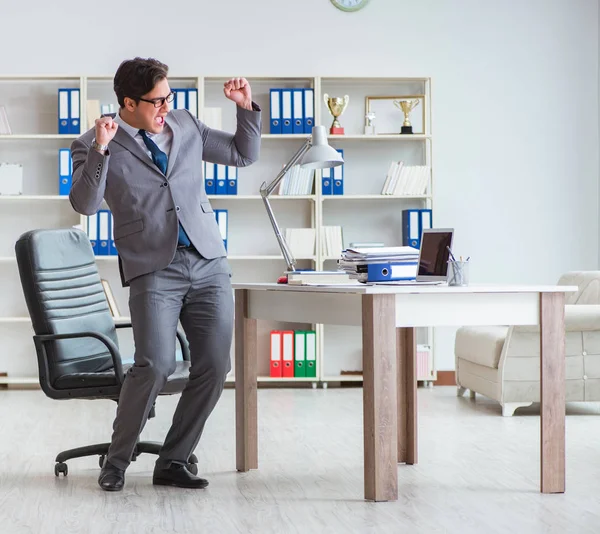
<point x="458" y="273"/>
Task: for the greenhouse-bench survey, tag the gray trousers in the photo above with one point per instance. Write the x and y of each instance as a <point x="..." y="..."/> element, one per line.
<point x="197" y="292"/>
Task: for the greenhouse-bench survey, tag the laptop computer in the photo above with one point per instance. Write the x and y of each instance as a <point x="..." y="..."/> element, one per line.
<point x="433" y="258"/>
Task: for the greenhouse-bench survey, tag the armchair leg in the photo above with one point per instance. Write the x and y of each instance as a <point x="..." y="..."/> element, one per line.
<point x="460" y="391"/>
<point x="508" y="408"/>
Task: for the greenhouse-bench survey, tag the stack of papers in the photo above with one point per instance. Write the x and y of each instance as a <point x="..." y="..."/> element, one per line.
<point x="318" y="278"/>
<point x="380" y="264"/>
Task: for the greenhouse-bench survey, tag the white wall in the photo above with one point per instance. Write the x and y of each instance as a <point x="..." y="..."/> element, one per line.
<point x="515" y="97"/>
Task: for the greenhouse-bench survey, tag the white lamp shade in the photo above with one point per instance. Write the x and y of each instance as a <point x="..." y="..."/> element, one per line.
<point x="320" y="155"/>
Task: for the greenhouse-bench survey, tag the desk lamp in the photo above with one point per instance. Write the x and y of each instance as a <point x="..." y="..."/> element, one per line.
<point x="315" y="153"/>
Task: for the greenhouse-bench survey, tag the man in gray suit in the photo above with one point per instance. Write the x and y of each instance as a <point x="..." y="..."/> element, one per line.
<point x="147" y="163"/>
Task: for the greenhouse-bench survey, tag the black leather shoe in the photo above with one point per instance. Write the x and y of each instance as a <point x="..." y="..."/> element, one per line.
<point x="111" y="478"/>
<point x="177" y="475"/>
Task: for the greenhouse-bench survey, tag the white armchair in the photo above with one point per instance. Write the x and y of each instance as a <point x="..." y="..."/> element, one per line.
<point x="503" y="362"/>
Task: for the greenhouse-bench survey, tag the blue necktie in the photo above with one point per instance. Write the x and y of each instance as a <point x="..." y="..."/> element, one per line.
<point x="161" y="160"/>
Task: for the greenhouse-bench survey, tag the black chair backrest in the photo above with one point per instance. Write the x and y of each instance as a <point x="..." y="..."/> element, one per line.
<point x="64" y="294"/>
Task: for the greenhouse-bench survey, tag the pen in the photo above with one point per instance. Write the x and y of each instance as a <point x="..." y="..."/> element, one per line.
<point x="451" y="255"/>
<point x="468" y="258"/>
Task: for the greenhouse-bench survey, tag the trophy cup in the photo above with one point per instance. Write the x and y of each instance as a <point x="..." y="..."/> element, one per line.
<point x="336" y="106"/>
<point x="369" y="126"/>
<point x="406" y="106"/>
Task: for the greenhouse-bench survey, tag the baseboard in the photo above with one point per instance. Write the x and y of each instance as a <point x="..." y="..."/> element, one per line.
<point x="445" y="378"/>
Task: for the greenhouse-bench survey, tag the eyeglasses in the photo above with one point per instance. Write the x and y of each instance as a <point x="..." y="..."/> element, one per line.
<point x="159" y="102"/>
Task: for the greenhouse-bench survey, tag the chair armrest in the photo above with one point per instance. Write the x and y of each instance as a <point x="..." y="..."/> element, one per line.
<point x="578" y="318"/>
<point x="185" y="350"/>
<point x="112" y="348"/>
<point x="582" y="317"/>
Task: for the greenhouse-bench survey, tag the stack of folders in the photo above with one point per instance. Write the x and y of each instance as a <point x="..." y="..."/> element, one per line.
<point x="293" y="354"/>
<point x="186" y="99"/>
<point x="405" y="180"/>
<point x="292" y="111"/>
<point x="69" y="111"/>
<point x="220" y="179"/>
<point x="332" y="179"/>
<point x="297" y="181"/>
<point x="380" y="264"/>
<point x="100" y="232"/>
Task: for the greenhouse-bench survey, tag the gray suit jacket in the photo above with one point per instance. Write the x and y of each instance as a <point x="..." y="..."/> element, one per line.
<point x="145" y="203"/>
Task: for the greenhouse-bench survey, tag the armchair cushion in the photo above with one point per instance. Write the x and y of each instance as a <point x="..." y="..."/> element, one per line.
<point x="480" y="344"/>
<point x="175" y="383"/>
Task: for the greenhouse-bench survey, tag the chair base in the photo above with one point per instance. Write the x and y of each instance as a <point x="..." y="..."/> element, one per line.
<point x="101" y="449"/>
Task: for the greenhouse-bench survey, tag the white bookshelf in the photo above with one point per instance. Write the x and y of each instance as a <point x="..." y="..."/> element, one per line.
<point x="364" y="214"/>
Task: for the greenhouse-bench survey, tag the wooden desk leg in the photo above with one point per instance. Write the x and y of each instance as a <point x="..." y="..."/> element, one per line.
<point x="246" y="409"/>
<point x="406" y="347"/>
<point x="379" y="397"/>
<point x="552" y="391"/>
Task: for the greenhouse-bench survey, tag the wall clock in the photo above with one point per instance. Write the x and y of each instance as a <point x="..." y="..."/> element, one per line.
<point x="350" y="5"/>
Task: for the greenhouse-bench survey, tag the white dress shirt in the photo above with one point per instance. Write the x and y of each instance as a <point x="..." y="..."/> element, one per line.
<point x="163" y="140"/>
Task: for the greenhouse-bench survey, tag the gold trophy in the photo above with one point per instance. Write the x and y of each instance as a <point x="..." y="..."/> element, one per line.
<point x="406" y="106"/>
<point x="336" y="106"/>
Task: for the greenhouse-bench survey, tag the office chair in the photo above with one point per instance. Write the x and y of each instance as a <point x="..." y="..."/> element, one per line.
<point x="75" y="335"/>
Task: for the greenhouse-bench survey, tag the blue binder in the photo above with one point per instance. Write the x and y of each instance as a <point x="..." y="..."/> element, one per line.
<point x="113" y="248"/>
<point x="338" y="177"/>
<point x="181" y="99"/>
<point x="74" y="112"/>
<point x="286" y="111"/>
<point x="104" y="233"/>
<point x="326" y="181"/>
<point x="309" y="110"/>
<point x="192" y="101"/>
<point x="414" y="221"/>
<point x="232" y="180"/>
<point x="210" y="184"/>
<point x="63" y="111"/>
<point x="65" y="172"/>
<point x="297" y="111"/>
<point x="92" y="231"/>
<point x="222" y="220"/>
<point x="389" y="272"/>
<point x="275" y="111"/>
<point x="221" y="179"/>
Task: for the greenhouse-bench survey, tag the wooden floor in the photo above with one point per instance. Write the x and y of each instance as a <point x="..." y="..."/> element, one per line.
<point x="478" y="472"/>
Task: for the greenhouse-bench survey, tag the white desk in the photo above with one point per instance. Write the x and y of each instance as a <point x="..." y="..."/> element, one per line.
<point x="388" y="316"/>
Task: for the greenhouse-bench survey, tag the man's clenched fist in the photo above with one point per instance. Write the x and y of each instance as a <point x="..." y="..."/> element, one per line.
<point x="106" y="128"/>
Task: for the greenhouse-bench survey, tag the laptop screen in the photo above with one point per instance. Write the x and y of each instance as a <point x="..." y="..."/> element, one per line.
<point x="433" y="260"/>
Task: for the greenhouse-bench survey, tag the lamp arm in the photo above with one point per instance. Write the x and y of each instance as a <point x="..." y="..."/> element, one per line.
<point x="266" y="190"/>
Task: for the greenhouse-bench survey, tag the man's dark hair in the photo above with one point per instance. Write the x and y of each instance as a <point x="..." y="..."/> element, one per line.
<point x="136" y="77"/>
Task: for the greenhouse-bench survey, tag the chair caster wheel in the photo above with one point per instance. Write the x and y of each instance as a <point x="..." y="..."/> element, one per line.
<point x="61" y="467"/>
<point x="101" y="461"/>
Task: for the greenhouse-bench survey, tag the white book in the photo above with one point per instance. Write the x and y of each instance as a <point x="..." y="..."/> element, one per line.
<point x="385" y="190"/>
<point x="4" y="124"/>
